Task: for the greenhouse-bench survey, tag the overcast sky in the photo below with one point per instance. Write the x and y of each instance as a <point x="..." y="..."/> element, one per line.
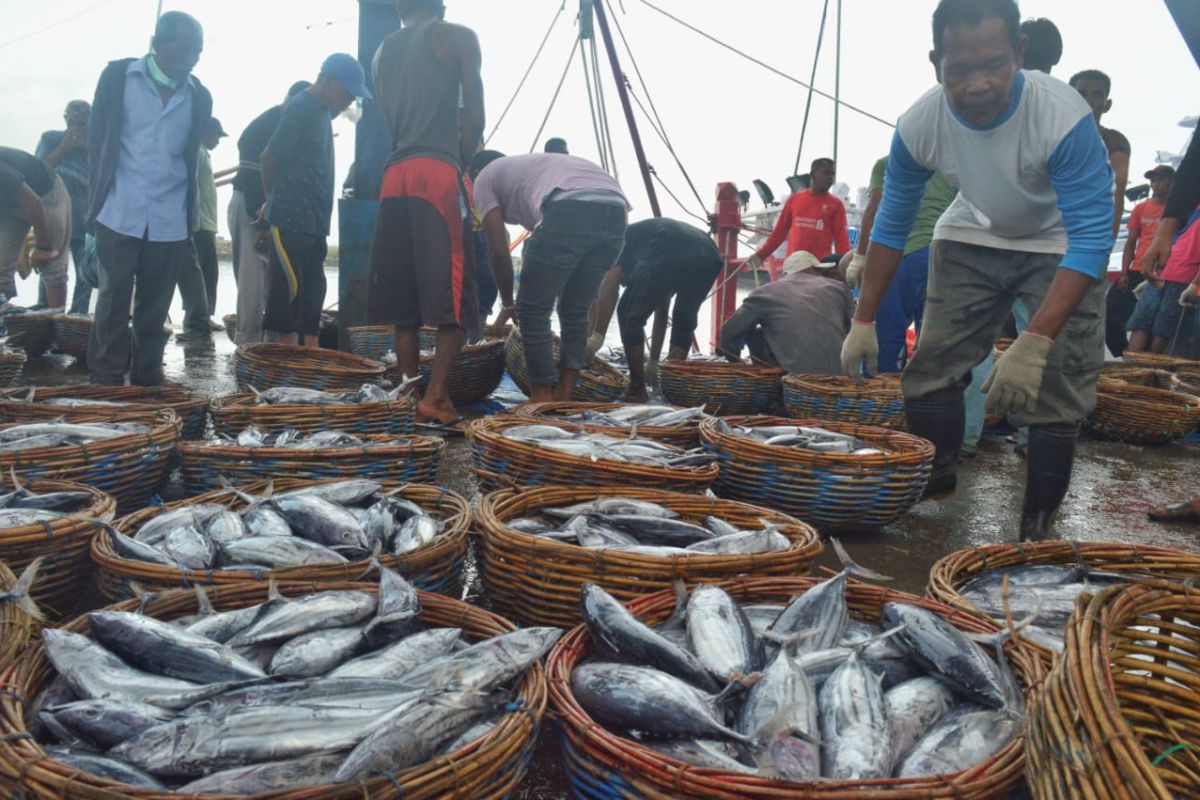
<point x="727" y="118"/>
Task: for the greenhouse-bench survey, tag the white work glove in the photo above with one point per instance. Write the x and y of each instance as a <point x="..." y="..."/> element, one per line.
<point x="1017" y="377"/>
<point x="594" y="343"/>
<point x="652" y="374"/>
<point x="854" y="271"/>
<point x="1189" y="298"/>
<point x="860" y="344"/>
<point x="753" y="262"/>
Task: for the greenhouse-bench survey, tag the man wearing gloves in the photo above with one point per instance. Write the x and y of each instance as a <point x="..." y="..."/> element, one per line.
<point x="1032" y="221"/>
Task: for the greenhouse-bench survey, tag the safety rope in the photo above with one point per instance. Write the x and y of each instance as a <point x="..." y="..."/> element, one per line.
<point x="528" y="70"/>
<point x="557" y="89"/>
<point x="600" y="101"/>
<point x="811" y="80"/>
<point x="587" y="82"/>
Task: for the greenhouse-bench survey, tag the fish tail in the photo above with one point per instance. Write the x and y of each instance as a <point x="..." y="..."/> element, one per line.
<point x="15" y="480"/>
<point x="679" y="615"/>
<point x="204" y="606"/>
<point x="852" y="567"/>
<point x="256" y="392"/>
<point x="863" y="644"/>
<point x="20" y="594"/>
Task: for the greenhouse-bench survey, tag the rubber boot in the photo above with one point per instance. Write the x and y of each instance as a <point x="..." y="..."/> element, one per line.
<point x="941" y="418"/>
<point x="1047" y="476"/>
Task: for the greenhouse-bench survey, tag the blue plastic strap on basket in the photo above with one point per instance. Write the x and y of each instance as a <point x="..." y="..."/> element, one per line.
<point x="395" y="783"/>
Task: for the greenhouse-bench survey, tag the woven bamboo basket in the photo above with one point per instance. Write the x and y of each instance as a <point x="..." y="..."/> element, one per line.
<point x="434" y="568"/>
<point x="16" y="624"/>
<point x="140" y="403"/>
<point x="612" y="766"/>
<point x="230" y="323"/>
<point x="503" y="463"/>
<point x="1142" y="414"/>
<point x="600" y="382"/>
<point x="489" y="767"/>
<point x="1138" y="376"/>
<point x="131" y="468"/>
<point x="685" y="436"/>
<point x="1140" y="562"/>
<point x="1188" y="380"/>
<point x="722" y="388"/>
<point x="62" y="544"/>
<point x="477" y="371"/>
<point x="266" y="365"/>
<point x="372" y="341"/>
<point x="71" y="334"/>
<point x="233" y="413"/>
<point x="875" y="401"/>
<point x="393" y="459"/>
<point x="12" y="363"/>
<point x="537" y="580"/>
<point x="1119" y="716"/>
<point x="1159" y="361"/>
<point x="33" y="332"/>
<point x="829" y="490"/>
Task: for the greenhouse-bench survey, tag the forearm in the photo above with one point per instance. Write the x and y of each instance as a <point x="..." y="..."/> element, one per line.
<point x="502" y="271"/>
<point x="268" y="166"/>
<point x="1128" y="253"/>
<point x="1067" y="291"/>
<point x="658" y="333"/>
<point x="882" y="263"/>
<point x="606" y="301"/>
<point x="31" y="208"/>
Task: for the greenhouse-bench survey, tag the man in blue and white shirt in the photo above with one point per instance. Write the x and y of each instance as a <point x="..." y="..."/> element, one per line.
<point x="1032" y="221"/>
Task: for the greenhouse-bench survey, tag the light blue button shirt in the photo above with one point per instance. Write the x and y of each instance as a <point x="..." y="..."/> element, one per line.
<point x="148" y="197"/>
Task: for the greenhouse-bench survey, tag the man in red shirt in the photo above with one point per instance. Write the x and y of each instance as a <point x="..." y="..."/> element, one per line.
<point x="1143" y="222"/>
<point x="812" y="220"/>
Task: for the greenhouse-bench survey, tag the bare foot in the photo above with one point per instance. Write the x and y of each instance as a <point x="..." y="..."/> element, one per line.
<point x="444" y="413"/>
<point x="541" y="394"/>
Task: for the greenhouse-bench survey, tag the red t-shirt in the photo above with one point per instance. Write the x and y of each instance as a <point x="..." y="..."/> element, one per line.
<point x="816" y="223"/>
<point x="1143" y="221"/>
<point x="1185" y="257"/>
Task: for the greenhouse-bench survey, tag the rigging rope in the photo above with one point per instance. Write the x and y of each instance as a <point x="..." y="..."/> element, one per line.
<point x="811" y="80"/>
<point x="528" y="70"/>
<point x="538" y="137"/>
<point x="604" y="126"/>
<point x="56" y="23"/>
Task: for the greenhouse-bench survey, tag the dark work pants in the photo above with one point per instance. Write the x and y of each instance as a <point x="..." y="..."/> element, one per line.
<point x="81" y="297"/>
<point x="1119" y="306"/>
<point x="144" y="272"/>
<point x="198" y="280"/>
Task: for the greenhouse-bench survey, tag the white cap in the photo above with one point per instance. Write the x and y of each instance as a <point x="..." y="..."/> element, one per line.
<point x="802" y="260"/>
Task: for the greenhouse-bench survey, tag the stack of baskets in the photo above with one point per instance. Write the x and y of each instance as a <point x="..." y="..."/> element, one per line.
<point x="603" y="764"/>
<point x="434" y="568"/>
<point x="504" y="463"/>
<point x="137" y="404"/>
<point x="599" y="382"/>
<point x="1119" y="715"/>
<point x="63" y="544"/>
<point x="874" y="401"/>
<point x="1159" y="361"/>
<point x="685" y="435"/>
<point x="490" y="767"/>
<point x="131" y="467"/>
<point x="32" y="331"/>
<point x="1141" y="376"/>
<point x="386" y="458"/>
<point x="829" y="490"/>
<point x="266" y="365"/>
<point x="71" y="334"/>
<point x="537" y="580"/>
<point x="372" y="341"/>
<point x="477" y="371"/>
<point x="233" y="413"/>
<point x="12" y="363"/>
<point x="721" y="387"/>
<point x="16" y="624"/>
<point x="1137" y="414"/>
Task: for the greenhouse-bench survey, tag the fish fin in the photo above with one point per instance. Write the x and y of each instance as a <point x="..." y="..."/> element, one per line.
<point x="20" y="593"/>
<point x="257" y="394"/>
<point x="854" y="568"/>
<point x="737" y="683"/>
<point x="776" y="725"/>
<point x="16" y="481"/>
<point x="144" y="596"/>
<point x="273" y="593"/>
<point x="863" y="644"/>
<point x="32" y="392"/>
<point x="204" y="606"/>
<point x="679" y="615"/>
<point x="788" y="640"/>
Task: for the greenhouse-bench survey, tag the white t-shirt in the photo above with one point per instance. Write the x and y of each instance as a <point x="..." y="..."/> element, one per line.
<point x="520" y="185"/>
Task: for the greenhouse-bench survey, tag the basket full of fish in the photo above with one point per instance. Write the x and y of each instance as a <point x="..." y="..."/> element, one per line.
<point x="268" y="365"/>
<point x="51" y="524"/>
<point x="91" y="403"/>
<point x="830" y="474"/>
<point x="31" y="331"/>
<point x="790" y="687"/>
<point x="540" y="546"/>
<point x="291" y="530"/>
<point x="837" y="398"/>
<point x="512" y="452"/>
<point x="258" y="455"/>
<point x="598" y="382"/>
<point x="128" y="460"/>
<point x="19" y="614"/>
<point x="72" y="333"/>
<point x="1042" y="580"/>
<point x="720" y="386"/>
<point x="669" y="424"/>
<point x="337" y="691"/>
<point x="477" y="371"/>
<point x="366" y="411"/>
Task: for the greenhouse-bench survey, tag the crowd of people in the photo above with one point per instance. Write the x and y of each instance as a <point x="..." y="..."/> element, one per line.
<point x="1000" y="196"/>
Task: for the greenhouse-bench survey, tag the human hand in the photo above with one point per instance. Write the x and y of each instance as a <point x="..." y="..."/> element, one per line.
<point x="1123" y="281"/>
<point x="861" y="344"/>
<point x="854" y="271"/>
<point x="1189" y="297"/>
<point x="753" y="262"/>
<point x="1156" y="255"/>
<point x="1016" y="379"/>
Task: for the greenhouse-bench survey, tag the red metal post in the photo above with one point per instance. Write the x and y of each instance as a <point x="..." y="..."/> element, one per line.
<point x="727" y="223"/>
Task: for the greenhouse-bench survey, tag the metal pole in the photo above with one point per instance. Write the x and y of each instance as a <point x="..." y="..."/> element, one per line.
<point x="837" y="81"/>
<point x="623" y="93"/>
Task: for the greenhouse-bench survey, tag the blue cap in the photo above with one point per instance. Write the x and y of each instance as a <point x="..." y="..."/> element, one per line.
<point x="345" y="69"/>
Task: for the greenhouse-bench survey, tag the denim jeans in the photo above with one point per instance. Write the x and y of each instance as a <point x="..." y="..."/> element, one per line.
<point x="565" y="260"/>
<point x="903" y="305"/>
<point x="975" y="402"/>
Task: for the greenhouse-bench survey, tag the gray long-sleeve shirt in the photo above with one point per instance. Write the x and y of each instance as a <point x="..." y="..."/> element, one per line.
<point x="804" y="318"/>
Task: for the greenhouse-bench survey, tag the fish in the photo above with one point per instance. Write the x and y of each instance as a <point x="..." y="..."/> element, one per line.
<point x="252" y="437"/>
<point x="529" y="525"/>
<point x="706" y="753"/>
<point x="20" y="517"/>
<point x="189" y="548"/>
<point x="220" y="626"/>
<point x="720" y="527"/>
<point x="781" y="710"/>
<point x="398" y="611"/>
<point x="613" y="505"/>
<point x="128" y="547"/>
<point x="471" y="734"/>
<point x="343" y="493"/>
<point x="399" y="658"/>
<point x="298" y="395"/>
<point x="163" y="649"/>
<point x="658" y="530"/>
<point x="107" y="723"/>
<point x="378" y="524"/>
<point x="416" y="532"/>
<point x="155" y="530"/>
<point x="19" y="595"/>
<point x="275" y="552"/>
<point x="947" y="653"/>
<point x="721" y="635"/>
<point x="313" y="612"/>
<point x="322" y="692"/>
<point x="624" y="636"/>
<point x="34" y="443"/>
<point x="960" y="741"/>
<point x="84" y="432"/>
<point x="523" y="433"/>
<point x="312" y="654"/>
<point x="297" y="773"/>
<point x="590" y="533"/>
<point x="226" y="526"/>
<point x="485" y="665"/>
<point x="913" y="707"/>
<point x="105" y="767"/>
<point x="856" y="741"/>
<point x="321" y="521"/>
<point x="632" y="697"/>
<point x="743" y="543"/>
<point x="262" y="520"/>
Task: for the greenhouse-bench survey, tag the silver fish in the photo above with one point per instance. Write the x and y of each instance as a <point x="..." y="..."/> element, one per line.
<point x="529" y="525"/>
<point x="326" y="692"/>
<point x="220" y="626"/>
<point x="613" y="505"/>
<point x="128" y="547"/>
<point x="19" y="594"/>
<point x="316" y="653"/>
<point x="34" y="442"/>
<point x="913" y="707"/>
<point x="721" y="635"/>
<point x="252" y="437"/>
<point x="321" y="521"/>
<point x="416" y="532"/>
<point x="398" y="611"/>
<point x="105" y="767"/>
<point x="706" y="753"/>
<point x="296" y="773"/>
<point x="781" y="710"/>
<point x="189" y="548"/>
<point x="314" y="612"/>
<point x="20" y="517"/>
<point x="378" y="524"/>
<point x="397" y="659"/>
<point x="107" y="723"/>
<point x="163" y="649"/>
<point x="485" y="665"/>
<point x="743" y="543"/>
<point x="657" y="530"/>
<point x="298" y="395"/>
<point x="262" y="520"/>
<point x="720" y="527"/>
<point x="960" y="741"/>
<point x="477" y="731"/>
<point x="155" y="530"/>
<point x="855" y="736"/>
<point x="525" y="433"/>
<point x="83" y="432"/>
<point x="275" y="552"/>
<point x="343" y="493"/>
<point x="225" y="527"/>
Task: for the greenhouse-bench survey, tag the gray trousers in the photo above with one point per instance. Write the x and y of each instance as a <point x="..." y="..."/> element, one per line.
<point x="144" y="272"/>
<point x="970" y="293"/>
<point x="250" y="269"/>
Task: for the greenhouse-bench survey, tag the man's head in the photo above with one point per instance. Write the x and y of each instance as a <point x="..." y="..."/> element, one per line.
<point x="213" y="133"/>
<point x="822" y="173"/>
<point x="804" y="261"/>
<point x="296" y="88"/>
<point x="977" y="51"/>
<point x="414" y="12"/>
<point x="340" y="81"/>
<point x="557" y="145"/>
<point x="178" y="42"/>
<point x="1094" y="86"/>
<point x="1161" y="178"/>
<point x="77" y="115"/>
<point x="1043" y="44"/>
<point x="481" y="160"/>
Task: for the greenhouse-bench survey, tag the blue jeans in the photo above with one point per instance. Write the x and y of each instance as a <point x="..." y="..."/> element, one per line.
<point x="565" y="261"/>
<point x="903" y="305"/>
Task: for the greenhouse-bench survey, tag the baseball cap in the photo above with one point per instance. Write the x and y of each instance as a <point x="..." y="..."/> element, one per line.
<point x="802" y="260"/>
<point x="1161" y="171"/>
<point x="214" y="127"/>
<point x="345" y="69"/>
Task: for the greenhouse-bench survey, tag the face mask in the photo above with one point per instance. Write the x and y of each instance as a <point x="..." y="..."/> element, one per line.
<point x="158" y="76"/>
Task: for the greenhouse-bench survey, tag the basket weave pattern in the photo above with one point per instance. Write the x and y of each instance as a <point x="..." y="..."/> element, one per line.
<point x="875" y="401"/>
<point x="234" y="413"/>
<point x="267" y="365"/>
<point x="140" y="404"/>
<point x="720" y="387"/>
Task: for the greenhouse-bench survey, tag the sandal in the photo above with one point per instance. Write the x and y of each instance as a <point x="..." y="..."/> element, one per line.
<point x="1180" y="512"/>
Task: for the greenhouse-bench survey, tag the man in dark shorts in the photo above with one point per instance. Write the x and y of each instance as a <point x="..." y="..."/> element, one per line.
<point x="662" y="258"/>
<point x="297" y="178"/>
<point x="422" y="272"/>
